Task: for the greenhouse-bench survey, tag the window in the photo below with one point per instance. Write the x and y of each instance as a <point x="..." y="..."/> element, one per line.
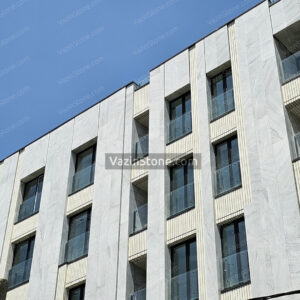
<point x="140" y="136"/>
<point x="234" y="255"/>
<point x="31" y="198"/>
<point x="84" y="169"/>
<point x="180" y="117"/>
<point x="20" y="271"/>
<point x="181" y="196"/>
<point x="139" y="206"/>
<point x="77" y="293"/>
<point x="222" y="95"/>
<point x="78" y="240"/>
<point x="288" y="52"/>
<point x="184" y="273"/>
<point x="228" y="175"/>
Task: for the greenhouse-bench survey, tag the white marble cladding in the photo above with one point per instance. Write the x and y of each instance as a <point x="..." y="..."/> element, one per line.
<point x="270" y="205"/>
<point x="272" y="220"/>
<point x="35" y="156"/>
<point x="8" y="172"/>
<point x="216" y="49"/>
<point x="284" y="13"/>
<point x="86" y="127"/>
<point x="176" y="73"/>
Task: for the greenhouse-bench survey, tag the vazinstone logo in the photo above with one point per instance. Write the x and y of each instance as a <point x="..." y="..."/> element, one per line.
<point x="151" y="161"/>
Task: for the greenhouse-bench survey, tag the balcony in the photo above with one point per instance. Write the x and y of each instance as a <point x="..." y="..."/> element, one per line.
<point x="141" y="147"/>
<point x="181" y="199"/>
<point x="222" y="104"/>
<point x="140" y="218"/>
<point x="235" y="270"/>
<point x="19" y="274"/>
<point x="138" y="295"/>
<point x="184" y="286"/>
<point x="77" y="247"/>
<point x="228" y="178"/>
<point x="28" y="208"/>
<point x="180" y="127"/>
<point x="290" y="66"/>
<point x="83" y="178"/>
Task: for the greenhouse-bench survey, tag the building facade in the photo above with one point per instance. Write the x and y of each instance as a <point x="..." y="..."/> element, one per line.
<point x="229" y="229"/>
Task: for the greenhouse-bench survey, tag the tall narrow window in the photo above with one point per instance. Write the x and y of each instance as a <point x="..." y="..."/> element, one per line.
<point x="228" y="175"/>
<point x="21" y="266"/>
<point x="182" y="188"/>
<point x="234" y="254"/>
<point x="180" y="117"/>
<point x="184" y="273"/>
<point x="84" y="169"/>
<point x="78" y="240"/>
<point x="77" y="293"/>
<point x="31" y="198"/>
<point x="222" y="95"/>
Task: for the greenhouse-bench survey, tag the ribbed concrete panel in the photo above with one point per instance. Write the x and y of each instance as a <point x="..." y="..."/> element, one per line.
<point x="80" y="200"/>
<point x="138" y="170"/>
<point x="208" y="261"/>
<point x="182" y="226"/>
<point x="177" y="73"/>
<point x="181" y="146"/>
<point x="46" y="255"/>
<point x="223" y="126"/>
<point x="272" y="224"/>
<point x="8" y="172"/>
<point x="230" y="204"/>
<point x="137" y="245"/>
<point x="216" y="49"/>
<point x="291" y="91"/>
<point x="105" y="218"/>
<point x="242" y="293"/>
<point x="86" y="126"/>
<point x="76" y="272"/>
<point x="35" y="156"/>
<point x="24" y="228"/>
<point x="18" y="293"/>
<point x="284" y="13"/>
<point x="141" y="100"/>
<point x="157" y="252"/>
<point x="125" y="200"/>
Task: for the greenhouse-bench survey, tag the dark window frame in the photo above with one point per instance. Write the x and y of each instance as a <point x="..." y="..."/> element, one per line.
<point x="39" y="185"/>
<point x="224" y="74"/>
<point x="79" y="287"/>
<point x="238" y="249"/>
<point x="183" y="99"/>
<point x="94" y="147"/>
<point x="88" y="223"/>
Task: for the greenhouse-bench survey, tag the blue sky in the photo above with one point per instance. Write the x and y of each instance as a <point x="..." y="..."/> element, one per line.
<point x="59" y="57"/>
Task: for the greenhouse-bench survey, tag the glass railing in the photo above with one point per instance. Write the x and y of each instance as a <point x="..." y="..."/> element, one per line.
<point x="28" y="208"/>
<point x="222" y="104"/>
<point x="19" y="273"/>
<point x="235" y="269"/>
<point x="141" y="147"/>
<point x="77" y="247"/>
<point x="181" y="199"/>
<point x="83" y="178"/>
<point x="297" y="145"/>
<point x="184" y="286"/>
<point x="291" y="66"/>
<point x="228" y="178"/>
<point x="180" y="126"/>
<point x="138" y="295"/>
<point x="139" y="218"/>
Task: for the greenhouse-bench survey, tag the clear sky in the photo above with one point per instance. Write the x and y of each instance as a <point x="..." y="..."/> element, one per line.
<point x="59" y="57"/>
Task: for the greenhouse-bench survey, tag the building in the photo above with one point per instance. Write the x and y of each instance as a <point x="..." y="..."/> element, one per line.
<point x="71" y="228"/>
